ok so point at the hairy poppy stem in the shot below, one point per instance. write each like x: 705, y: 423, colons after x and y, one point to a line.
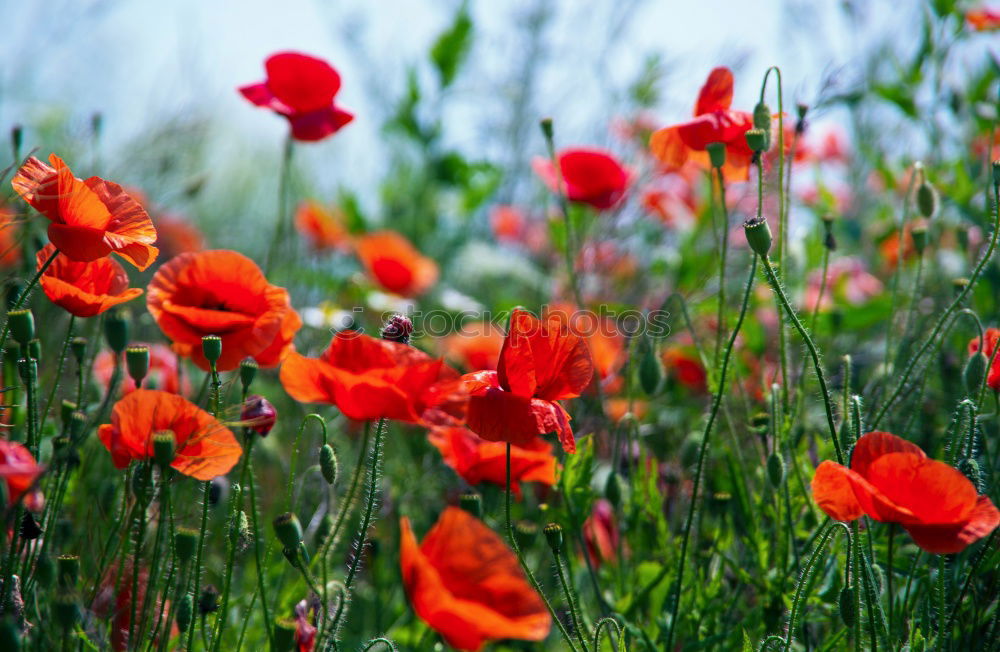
x: 233, y: 540
x: 571, y: 600
x: 946, y: 315
x: 721, y: 312
x: 348, y: 501
x: 524, y: 564
x: 702, y: 453
x: 206, y: 490
x: 374, y: 482
x: 807, y: 575
x: 772, y: 280
x: 888, y: 580
x: 22, y: 297
x: 59, y: 371
x: 248, y: 470
x: 280, y: 227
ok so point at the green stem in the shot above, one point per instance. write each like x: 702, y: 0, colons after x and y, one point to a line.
x: 281, y: 225
x: 807, y: 576
x: 721, y: 312
x: 233, y: 539
x: 348, y: 502
x: 59, y: 371
x: 206, y: 489
x: 706, y: 435
x: 574, y: 607
x: 888, y: 580
x: 374, y: 482
x: 256, y: 544
x: 21, y: 298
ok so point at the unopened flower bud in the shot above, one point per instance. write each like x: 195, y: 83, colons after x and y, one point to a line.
x: 22, y: 325
x: 614, y: 489
x: 847, y: 613
x: 547, y: 129
x: 927, y: 199
x: 472, y: 503
x: 208, y: 601
x: 137, y: 362
x: 116, y: 330
x: 248, y: 371
x: 716, y: 154
x: 758, y: 235
x: 16, y: 139
x: 650, y: 370
x: 185, y: 544
x: 211, y: 347
x: 762, y: 121
x: 975, y: 372
x: 775, y: 470
x: 259, y: 415
x: 164, y: 448
x: 328, y: 465
x: 397, y: 329
x: 554, y: 536
x: 289, y: 530
x: 757, y: 140
x: 185, y: 611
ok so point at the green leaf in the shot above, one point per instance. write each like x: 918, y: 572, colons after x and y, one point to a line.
x: 452, y: 46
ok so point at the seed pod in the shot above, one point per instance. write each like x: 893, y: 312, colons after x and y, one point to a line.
x: 328, y: 465
x: 185, y: 610
x: 554, y: 537
x: 137, y: 362
x: 716, y: 154
x: 472, y: 503
x: 919, y: 235
x: 775, y: 469
x: 248, y: 371
x: 211, y: 347
x: 164, y: 448
x: 22, y: 325
x: 525, y: 532
x: 757, y: 140
x: 289, y: 530
x: 758, y: 235
x: 78, y: 345
x: 975, y: 372
x: 116, y: 330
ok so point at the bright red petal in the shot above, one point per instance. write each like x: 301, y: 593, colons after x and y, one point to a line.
x: 833, y: 492
x: 717, y: 92
x: 302, y: 82
x: 950, y: 539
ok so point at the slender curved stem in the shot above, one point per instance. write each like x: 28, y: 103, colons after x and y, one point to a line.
x: 256, y: 543
x: 806, y: 577
x: 706, y: 436
x: 21, y: 298
x: 374, y: 481
x: 348, y: 502
x: 58, y: 375
x: 574, y: 606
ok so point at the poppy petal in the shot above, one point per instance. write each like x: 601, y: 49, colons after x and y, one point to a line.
x: 668, y: 147
x: 717, y: 92
x: 935, y: 492
x: 302, y: 82
x: 873, y: 445
x: 833, y: 492
x: 950, y: 539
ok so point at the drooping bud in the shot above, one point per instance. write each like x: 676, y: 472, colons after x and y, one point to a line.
x: 775, y: 470
x: 975, y: 372
x: 68, y: 571
x: 716, y: 154
x: 185, y: 611
x: 185, y: 544
x: 927, y: 199
x: 650, y: 369
x: 472, y: 503
x: 248, y: 371
x: 22, y: 325
x: 211, y: 347
x: 554, y: 537
x: 757, y: 140
x: 208, y: 601
x: 397, y: 328
x: 289, y: 530
x: 259, y: 415
x: 847, y: 614
x: 164, y: 448
x: 137, y: 362
x: 328, y: 464
x: 116, y: 330
x: 758, y: 235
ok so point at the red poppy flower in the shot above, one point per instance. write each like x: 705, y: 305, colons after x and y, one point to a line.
x: 84, y: 289
x: 600, y: 532
x: 392, y: 262
x: 323, y: 229
x: 476, y: 346
x: 91, y: 218
x: 686, y: 368
x: 465, y: 583
x: 10, y: 246
x: 892, y: 481
x: 163, y: 373
x: 606, y: 343
x: 369, y: 378
x: 176, y: 236
x: 990, y: 338
x: 222, y: 293
x: 714, y: 122
x: 541, y: 363
x: 507, y: 223
x: 205, y: 448
x: 302, y: 89
x: 589, y: 176
x: 983, y: 19
x: 20, y: 471
x: 478, y: 460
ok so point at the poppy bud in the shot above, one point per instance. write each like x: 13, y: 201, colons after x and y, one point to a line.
x: 760, y: 420
x: 829, y: 241
x: 78, y: 345
x: 211, y: 347
x: 30, y: 529
x: 472, y: 503
x: 716, y: 154
x: 846, y: 604
x: 22, y: 325
x: 137, y: 361
x: 284, y: 635
x: 757, y: 140
x: 259, y: 415
x: 65, y: 610
x: 959, y: 284
x: 397, y: 329
x: 45, y: 571
x: 16, y: 138
x: 762, y: 121
x: 919, y: 234
x: 525, y: 532
x: 775, y: 469
x: 185, y: 610
x: 328, y: 463
x: 547, y: 129
x: 614, y: 489
x: 650, y: 370
x: 248, y: 371
x: 800, y: 124
x: 66, y: 411
x: 689, y: 449
x: 35, y: 349
x: 185, y: 544
x: 996, y: 172
x: 68, y: 571
x: 970, y: 469
x: 10, y: 634
x: 217, y: 489
x: 758, y: 235
x: 77, y: 422
x: 975, y: 372
x: 116, y: 330
x: 927, y: 199
x: 289, y: 530
x: 208, y: 601
x: 164, y: 448
x: 554, y: 537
